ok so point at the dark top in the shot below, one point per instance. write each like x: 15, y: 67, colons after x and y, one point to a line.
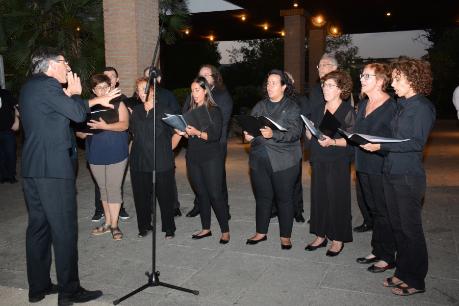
x: 223, y: 99
x: 200, y: 150
x: 346, y: 116
x: 284, y: 148
x: 7, y: 105
x: 143, y: 145
x: 107, y: 147
x: 414, y: 119
x: 376, y: 124
x: 45, y: 113
x: 316, y: 98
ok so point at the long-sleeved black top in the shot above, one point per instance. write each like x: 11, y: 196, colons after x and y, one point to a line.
x: 141, y: 126
x: 284, y: 148
x: 346, y: 116
x: 200, y: 150
x: 377, y: 123
x: 223, y: 99
x: 414, y: 119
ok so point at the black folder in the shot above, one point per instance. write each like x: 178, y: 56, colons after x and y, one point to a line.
x: 107, y: 114
x: 198, y: 118
x: 252, y: 124
x: 329, y: 125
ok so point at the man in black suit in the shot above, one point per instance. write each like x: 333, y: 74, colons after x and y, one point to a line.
x: 49, y: 180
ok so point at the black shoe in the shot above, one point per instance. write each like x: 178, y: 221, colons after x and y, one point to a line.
x: 363, y: 260
x: 142, y: 234
x: 80, y: 296
x: 98, y: 216
x: 252, y: 241
x: 286, y: 246
x: 193, y: 213
x: 376, y: 269
x: 40, y: 296
x: 196, y: 236
x: 124, y: 215
x: 310, y: 247
x: 223, y: 241
x: 363, y: 228
x: 299, y: 218
x: 169, y: 235
x: 177, y: 212
x: 333, y: 254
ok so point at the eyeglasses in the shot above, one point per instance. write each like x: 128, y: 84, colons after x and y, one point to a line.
x: 101, y: 87
x: 62, y: 61
x: 323, y: 65
x: 328, y: 85
x: 366, y: 76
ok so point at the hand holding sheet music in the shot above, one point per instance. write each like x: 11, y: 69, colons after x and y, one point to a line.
x: 253, y: 124
x: 175, y: 121
x: 310, y: 126
x: 362, y: 139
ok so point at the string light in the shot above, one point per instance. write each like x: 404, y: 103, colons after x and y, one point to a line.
x: 211, y: 38
x: 187, y: 31
x: 295, y: 4
x: 318, y: 20
x: 388, y: 14
x: 243, y: 17
x: 265, y: 27
x: 282, y: 33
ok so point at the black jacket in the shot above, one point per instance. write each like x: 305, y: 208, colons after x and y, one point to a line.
x: 46, y: 112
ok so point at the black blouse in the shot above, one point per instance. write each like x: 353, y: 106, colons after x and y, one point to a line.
x: 143, y: 145
x: 200, y: 150
x: 346, y: 116
x: 413, y: 119
x: 377, y: 123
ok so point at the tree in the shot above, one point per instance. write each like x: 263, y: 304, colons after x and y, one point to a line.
x: 443, y: 57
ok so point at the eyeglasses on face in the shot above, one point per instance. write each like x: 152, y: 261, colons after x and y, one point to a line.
x: 328, y: 85
x: 366, y: 76
x: 102, y: 87
x: 323, y: 65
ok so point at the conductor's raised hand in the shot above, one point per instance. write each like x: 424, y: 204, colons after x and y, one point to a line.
x: 266, y: 132
x: 73, y: 84
x: 105, y: 99
x: 248, y: 137
x: 98, y: 124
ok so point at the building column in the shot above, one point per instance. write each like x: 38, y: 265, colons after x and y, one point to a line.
x: 294, y: 45
x: 131, y: 31
x: 316, y: 48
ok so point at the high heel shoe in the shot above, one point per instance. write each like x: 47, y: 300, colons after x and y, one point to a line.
x: 310, y: 247
x: 197, y: 236
x: 286, y: 246
x: 252, y: 242
x: 223, y: 241
x: 333, y: 254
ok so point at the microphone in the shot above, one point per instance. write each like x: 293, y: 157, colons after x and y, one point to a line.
x: 152, y: 74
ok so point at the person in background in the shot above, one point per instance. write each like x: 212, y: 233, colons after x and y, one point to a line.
x: 223, y: 99
x: 404, y: 177
x: 9, y: 125
x: 375, y: 112
x: 331, y: 168
x: 107, y: 154
x: 204, y: 161
x: 112, y: 74
x: 275, y: 158
x: 48, y: 177
x: 151, y: 135
x: 456, y: 100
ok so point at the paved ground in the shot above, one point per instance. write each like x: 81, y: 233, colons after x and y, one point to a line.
x: 236, y: 274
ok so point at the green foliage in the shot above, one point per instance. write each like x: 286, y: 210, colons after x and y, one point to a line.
x: 173, y: 18
x: 245, y: 97
x: 444, y: 60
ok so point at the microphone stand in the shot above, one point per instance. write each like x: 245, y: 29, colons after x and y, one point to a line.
x: 153, y: 277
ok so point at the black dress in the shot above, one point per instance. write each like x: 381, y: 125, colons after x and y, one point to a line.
x: 330, y: 181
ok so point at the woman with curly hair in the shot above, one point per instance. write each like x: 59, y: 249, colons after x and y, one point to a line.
x: 330, y: 163
x: 404, y: 176
x: 275, y: 157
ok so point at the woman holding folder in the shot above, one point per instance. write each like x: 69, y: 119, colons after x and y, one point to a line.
x: 374, y: 114
x: 275, y: 158
x: 330, y: 162
x: 404, y: 177
x: 204, y: 159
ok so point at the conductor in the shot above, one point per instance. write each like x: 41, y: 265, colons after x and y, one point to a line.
x: 49, y: 181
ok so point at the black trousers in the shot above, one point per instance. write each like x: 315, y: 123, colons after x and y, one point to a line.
x: 331, y: 200
x: 363, y: 205
x: 51, y: 204
x: 298, y: 206
x: 224, y: 148
x: 142, y: 188
x: 206, y: 179
x: 404, y: 195
x: 382, y: 239
x: 7, y: 155
x: 274, y: 187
